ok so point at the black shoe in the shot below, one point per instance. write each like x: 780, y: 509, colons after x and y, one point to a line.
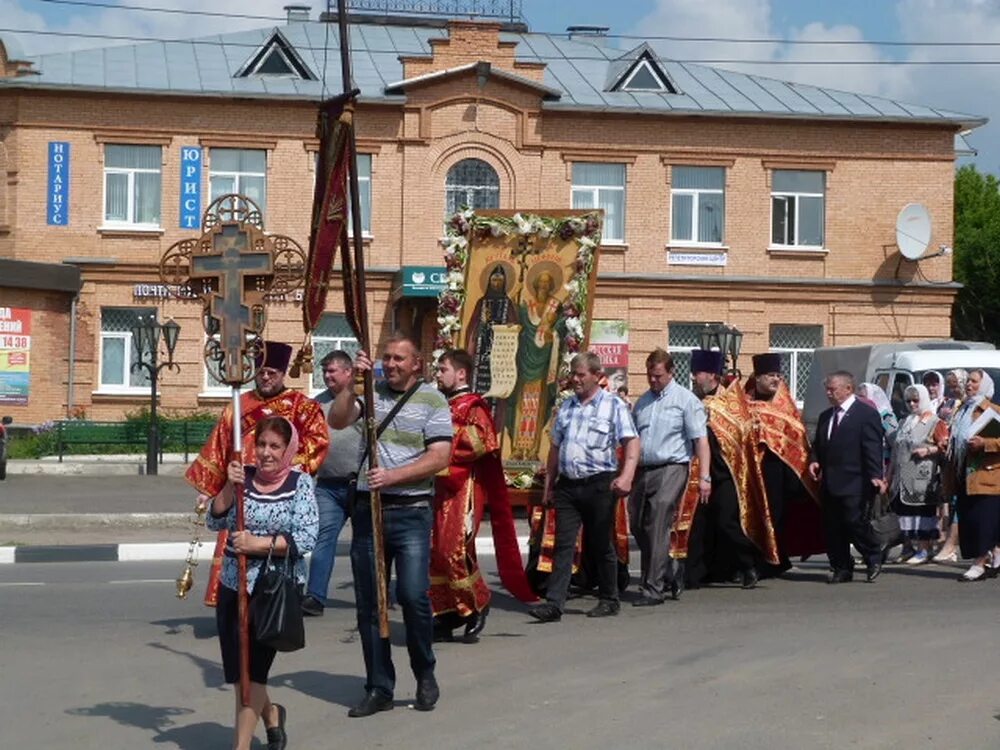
x: 428, y: 693
x: 840, y: 576
x: 545, y: 612
x: 647, y: 601
x: 276, y: 737
x: 475, y: 626
x: 442, y: 633
x: 750, y: 578
x: 873, y: 572
x: 676, y: 587
x: 312, y: 607
x: 372, y: 703
x: 605, y: 608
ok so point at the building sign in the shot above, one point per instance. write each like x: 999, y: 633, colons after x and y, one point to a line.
x: 57, y: 209
x: 15, y: 344
x: 680, y: 258
x: 419, y: 281
x: 190, y: 187
x: 609, y: 341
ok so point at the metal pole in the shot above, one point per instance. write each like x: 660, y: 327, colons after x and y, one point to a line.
x: 243, y: 598
x: 152, y: 438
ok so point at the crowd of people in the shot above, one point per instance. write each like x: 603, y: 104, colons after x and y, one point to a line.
x: 717, y: 483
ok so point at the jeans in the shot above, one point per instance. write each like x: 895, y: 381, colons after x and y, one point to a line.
x: 331, y: 499
x: 407, y: 539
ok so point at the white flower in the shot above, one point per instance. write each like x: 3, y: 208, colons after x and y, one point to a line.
x: 496, y: 230
x: 573, y: 287
x: 455, y: 277
x: 456, y: 243
x: 468, y: 213
x: 586, y: 242
x: 436, y: 354
x: 575, y: 327
x: 544, y: 232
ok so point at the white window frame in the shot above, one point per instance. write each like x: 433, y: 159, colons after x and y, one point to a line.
x: 212, y: 388
x: 792, y: 198
x: 595, y: 201
x: 626, y: 85
x: 128, y: 358
x: 237, y: 176
x: 696, y: 194
x: 793, y: 360
x: 130, y: 173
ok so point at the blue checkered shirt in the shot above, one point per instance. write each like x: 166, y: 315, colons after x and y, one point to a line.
x: 588, y: 434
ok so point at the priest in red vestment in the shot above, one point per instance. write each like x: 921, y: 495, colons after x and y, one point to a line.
x: 473, y: 480
x: 207, y: 474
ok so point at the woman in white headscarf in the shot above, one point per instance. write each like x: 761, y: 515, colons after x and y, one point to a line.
x: 914, y: 471
x: 876, y: 397
x: 975, y: 461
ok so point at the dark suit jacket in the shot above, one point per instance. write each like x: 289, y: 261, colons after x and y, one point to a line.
x: 853, y: 457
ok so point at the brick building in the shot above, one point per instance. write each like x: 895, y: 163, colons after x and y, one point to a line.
x: 729, y: 197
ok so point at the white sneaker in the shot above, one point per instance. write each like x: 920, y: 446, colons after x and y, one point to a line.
x: 919, y: 558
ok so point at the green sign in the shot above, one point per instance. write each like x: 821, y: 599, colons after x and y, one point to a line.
x: 419, y: 281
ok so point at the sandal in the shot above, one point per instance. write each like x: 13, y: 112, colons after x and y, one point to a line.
x: 276, y: 737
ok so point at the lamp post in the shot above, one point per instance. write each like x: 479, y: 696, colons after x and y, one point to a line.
x: 727, y: 339
x: 146, y: 339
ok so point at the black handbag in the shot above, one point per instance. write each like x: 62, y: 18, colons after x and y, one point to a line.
x: 276, y: 606
x: 884, y: 522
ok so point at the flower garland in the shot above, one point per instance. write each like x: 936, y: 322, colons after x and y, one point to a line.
x: 466, y: 225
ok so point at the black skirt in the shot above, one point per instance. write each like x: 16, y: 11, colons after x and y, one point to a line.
x: 227, y: 621
x: 978, y: 523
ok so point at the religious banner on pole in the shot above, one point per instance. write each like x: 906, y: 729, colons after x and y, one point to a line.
x: 518, y: 298
x: 15, y: 347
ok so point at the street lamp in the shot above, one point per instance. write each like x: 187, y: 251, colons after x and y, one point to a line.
x: 146, y: 339
x: 726, y: 339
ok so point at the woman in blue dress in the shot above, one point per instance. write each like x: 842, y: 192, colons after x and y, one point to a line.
x: 279, y: 511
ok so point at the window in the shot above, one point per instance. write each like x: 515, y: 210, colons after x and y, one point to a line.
x: 797, y: 208
x: 682, y: 338
x: 698, y: 211
x: 117, y: 351
x: 471, y: 183
x: 242, y: 171
x: 277, y: 59
x: 796, y: 344
x: 132, y: 185
x: 602, y: 186
x: 333, y: 332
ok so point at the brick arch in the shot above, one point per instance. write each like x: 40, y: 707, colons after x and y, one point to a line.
x: 496, y: 152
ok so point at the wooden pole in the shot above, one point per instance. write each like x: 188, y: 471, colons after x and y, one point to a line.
x: 243, y: 597
x: 381, y: 581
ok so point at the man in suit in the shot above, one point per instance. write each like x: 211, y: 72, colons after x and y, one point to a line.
x: 847, y: 461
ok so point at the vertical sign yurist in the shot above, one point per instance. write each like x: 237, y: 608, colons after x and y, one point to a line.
x: 57, y: 209
x: 190, y: 209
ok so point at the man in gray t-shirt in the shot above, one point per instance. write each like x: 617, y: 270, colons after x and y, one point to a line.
x: 332, y: 481
x: 414, y: 446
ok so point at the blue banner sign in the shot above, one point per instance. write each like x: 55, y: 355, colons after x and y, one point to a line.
x: 57, y: 210
x: 190, y: 187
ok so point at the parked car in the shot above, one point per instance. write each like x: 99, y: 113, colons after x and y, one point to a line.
x: 894, y: 366
x: 3, y: 445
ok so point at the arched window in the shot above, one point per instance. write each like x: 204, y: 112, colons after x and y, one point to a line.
x: 472, y: 183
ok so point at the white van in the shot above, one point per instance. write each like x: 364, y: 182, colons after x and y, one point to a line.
x: 894, y: 366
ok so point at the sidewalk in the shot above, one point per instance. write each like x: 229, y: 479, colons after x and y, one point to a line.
x: 96, y: 514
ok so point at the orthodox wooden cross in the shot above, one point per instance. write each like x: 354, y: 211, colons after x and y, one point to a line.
x: 525, y: 247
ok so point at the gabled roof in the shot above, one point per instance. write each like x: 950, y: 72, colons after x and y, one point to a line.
x: 578, y: 70
x: 276, y: 57
x: 481, y: 68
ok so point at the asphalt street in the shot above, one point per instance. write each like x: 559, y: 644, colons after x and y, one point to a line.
x: 102, y: 655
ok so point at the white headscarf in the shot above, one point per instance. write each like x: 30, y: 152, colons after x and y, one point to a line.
x: 924, y: 395
x: 877, y: 396
x: 961, y: 430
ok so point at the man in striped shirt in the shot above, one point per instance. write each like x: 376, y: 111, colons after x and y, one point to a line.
x: 413, y: 447
x: 584, y: 482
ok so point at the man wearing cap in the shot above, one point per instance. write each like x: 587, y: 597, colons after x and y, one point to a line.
x: 711, y: 536
x: 780, y: 448
x: 207, y: 474
x: 672, y: 428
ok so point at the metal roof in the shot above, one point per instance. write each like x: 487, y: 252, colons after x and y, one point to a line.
x: 582, y: 71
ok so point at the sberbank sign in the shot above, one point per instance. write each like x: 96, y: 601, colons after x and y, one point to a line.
x: 419, y: 281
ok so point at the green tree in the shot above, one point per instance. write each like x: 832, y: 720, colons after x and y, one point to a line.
x: 977, y: 256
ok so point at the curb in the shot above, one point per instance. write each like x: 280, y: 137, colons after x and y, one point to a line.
x: 90, y: 468
x: 156, y: 551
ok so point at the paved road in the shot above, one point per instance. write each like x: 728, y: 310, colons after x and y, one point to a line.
x: 41, y: 493
x: 103, y: 656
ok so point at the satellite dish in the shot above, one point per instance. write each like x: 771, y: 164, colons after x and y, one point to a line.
x: 913, y: 231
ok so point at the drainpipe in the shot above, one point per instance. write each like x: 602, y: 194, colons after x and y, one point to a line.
x: 72, y: 355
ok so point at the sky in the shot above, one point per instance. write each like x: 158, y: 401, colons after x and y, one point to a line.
x: 900, y: 70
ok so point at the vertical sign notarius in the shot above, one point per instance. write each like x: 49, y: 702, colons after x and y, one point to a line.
x: 57, y: 209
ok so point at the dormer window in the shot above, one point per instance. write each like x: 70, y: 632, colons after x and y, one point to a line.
x: 644, y: 74
x: 276, y: 59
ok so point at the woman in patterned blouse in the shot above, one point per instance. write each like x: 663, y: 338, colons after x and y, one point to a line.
x: 280, y: 510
